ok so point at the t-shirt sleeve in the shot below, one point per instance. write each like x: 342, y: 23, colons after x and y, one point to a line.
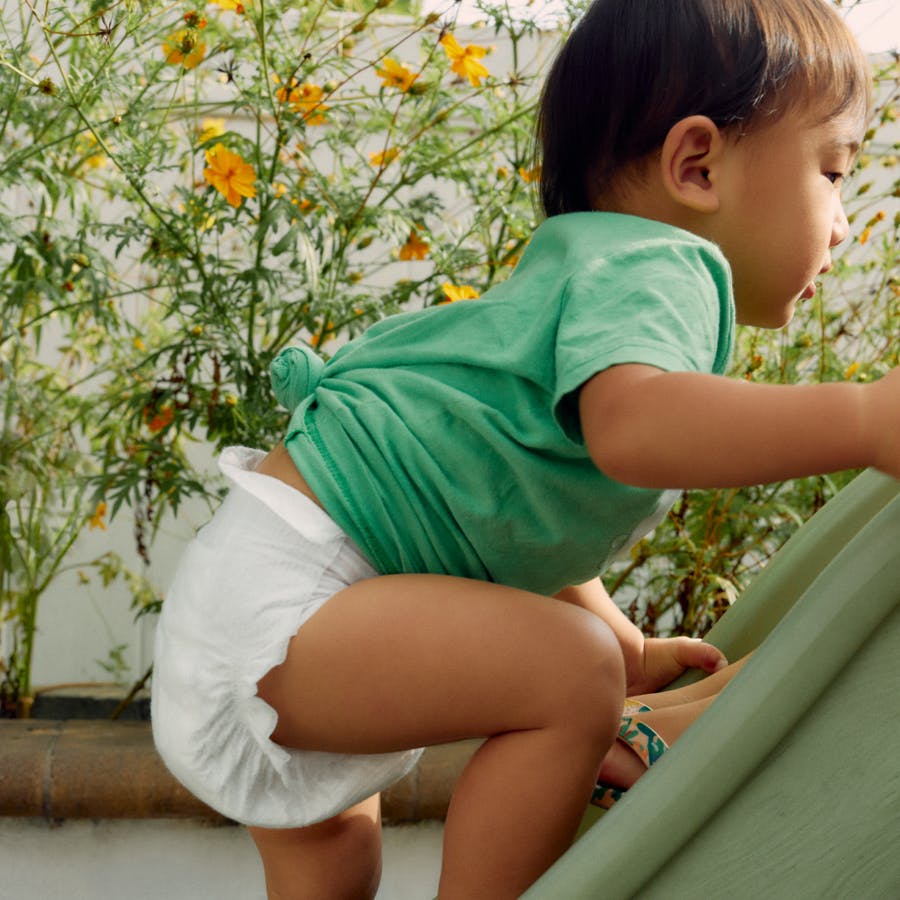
x: 660, y: 304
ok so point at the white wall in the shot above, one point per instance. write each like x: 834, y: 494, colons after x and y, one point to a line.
x: 147, y: 860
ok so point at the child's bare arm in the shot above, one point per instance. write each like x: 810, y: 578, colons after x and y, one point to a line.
x: 592, y: 596
x: 651, y: 428
x: 650, y: 663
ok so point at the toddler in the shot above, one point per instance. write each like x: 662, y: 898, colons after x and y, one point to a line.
x: 418, y: 561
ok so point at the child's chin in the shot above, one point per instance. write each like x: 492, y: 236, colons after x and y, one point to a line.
x: 780, y: 318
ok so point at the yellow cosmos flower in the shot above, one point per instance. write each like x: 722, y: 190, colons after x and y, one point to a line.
x: 88, y: 145
x: 851, y: 370
x: 454, y: 292
x: 393, y: 74
x: 283, y: 94
x: 867, y: 231
x: 184, y: 48
x: 464, y: 61
x: 529, y: 175
x: 385, y: 158
x: 229, y: 174
x: 231, y: 5
x: 96, y: 520
x: 305, y: 98
x: 414, y: 248
x: 211, y: 128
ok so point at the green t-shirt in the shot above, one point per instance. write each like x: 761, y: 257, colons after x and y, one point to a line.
x: 447, y: 440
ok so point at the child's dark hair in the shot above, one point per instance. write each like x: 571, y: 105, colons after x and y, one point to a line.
x: 631, y: 69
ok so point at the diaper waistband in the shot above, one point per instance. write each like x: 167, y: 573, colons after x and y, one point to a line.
x: 239, y: 464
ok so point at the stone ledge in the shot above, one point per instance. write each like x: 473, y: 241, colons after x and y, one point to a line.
x: 98, y: 769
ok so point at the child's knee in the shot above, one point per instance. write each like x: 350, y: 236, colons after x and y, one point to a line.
x: 595, y: 677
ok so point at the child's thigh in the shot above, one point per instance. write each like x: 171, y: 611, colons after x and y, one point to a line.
x: 402, y: 661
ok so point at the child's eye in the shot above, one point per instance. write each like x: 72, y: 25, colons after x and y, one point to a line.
x: 834, y: 177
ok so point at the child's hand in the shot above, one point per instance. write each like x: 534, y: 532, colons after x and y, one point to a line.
x: 664, y: 659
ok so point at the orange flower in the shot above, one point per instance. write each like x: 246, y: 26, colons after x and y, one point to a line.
x: 161, y: 419
x: 414, y: 248
x: 396, y: 75
x: 184, y: 48
x: 529, y: 175
x: 323, y: 336
x: 465, y: 61
x: 454, y: 292
x: 308, y: 100
x: 229, y: 174
x: 867, y: 231
x: 96, y: 520
x: 305, y: 98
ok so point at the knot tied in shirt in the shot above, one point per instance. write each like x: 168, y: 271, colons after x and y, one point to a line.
x: 294, y: 375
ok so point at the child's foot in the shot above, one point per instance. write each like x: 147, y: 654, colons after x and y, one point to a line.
x: 639, y: 747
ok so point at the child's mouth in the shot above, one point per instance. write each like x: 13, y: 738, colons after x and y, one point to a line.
x: 810, y: 291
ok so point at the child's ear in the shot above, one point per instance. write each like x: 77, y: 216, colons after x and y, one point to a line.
x: 690, y: 154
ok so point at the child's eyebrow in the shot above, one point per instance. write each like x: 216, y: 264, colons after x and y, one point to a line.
x: 851, y: 145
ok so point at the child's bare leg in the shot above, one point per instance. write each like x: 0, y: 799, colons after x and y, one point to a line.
x: 622, y: 767
x: 343, y: 852
x: 672, y: 712
x: 404, y: 661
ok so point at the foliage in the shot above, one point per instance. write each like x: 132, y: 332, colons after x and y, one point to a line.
x: 188, y: 187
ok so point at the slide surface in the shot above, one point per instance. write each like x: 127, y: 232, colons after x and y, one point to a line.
x: 789, y: 785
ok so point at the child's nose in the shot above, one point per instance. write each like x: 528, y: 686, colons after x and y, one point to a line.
x: 840, y: 228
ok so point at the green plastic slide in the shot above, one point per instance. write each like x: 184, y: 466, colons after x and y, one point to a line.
x: 789, y: 785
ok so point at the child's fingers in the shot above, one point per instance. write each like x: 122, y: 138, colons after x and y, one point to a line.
x: 693, y: 653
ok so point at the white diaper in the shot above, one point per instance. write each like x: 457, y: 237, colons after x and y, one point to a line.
x: 251, y: 577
